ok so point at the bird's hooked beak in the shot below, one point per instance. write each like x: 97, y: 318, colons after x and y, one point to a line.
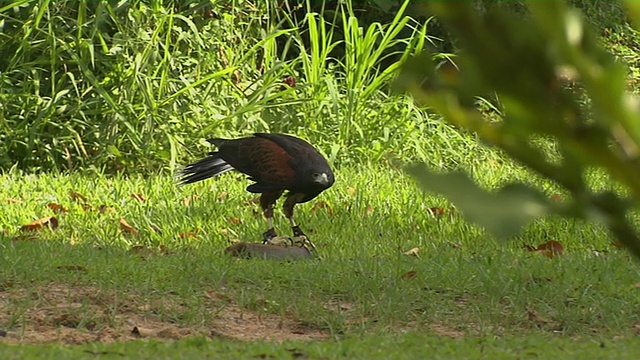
x: 321, y: 178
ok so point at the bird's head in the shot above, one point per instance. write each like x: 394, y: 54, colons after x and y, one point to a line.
x: 323, y: 179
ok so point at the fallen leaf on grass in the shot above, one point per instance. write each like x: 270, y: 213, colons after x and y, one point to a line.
x: 141, y: 332
x: 50, y: 221
x: 413, y: 251
x: 252, y: 201
x: 369, y: 210
x: 187, y: 201
x: 409, y: 275
x: 14, y: 201
x: 223, y: 195
x: 164, y: 250
x: 234, y: 220
x: 76, y: 196
x: 436, y: 211
x: 351, y: 191
x: 72, y: 268
x: 57, y: 207
x: 213, y: 295
x: 138, y: 197
x: 187, y: 234
x: 322, y: 205
x: 124, y: 226
x: 106, y: 209
x: 548, y: 249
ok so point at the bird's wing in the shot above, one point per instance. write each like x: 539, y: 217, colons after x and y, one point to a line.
x: 265, y: 161
x: 305, y: 158
x: 290, y: 144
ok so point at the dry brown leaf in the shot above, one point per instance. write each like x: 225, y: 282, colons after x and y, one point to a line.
x: 57, y: 207
x: 124, y: 226
x: 138, y: 197
x: 223, y: 195
x: 187, y: 234
x: 369, y: 210
x: 436, y: 211
x: 213, y: 295
x: 224, y: 232
x: 409, y: 275
x: 187, y: 201
x: 413, y: 251
x: 164, y: 250
x: 13, y: 201
x: 549, y: 249
x: 50, y: 221
x: 322, y: 205
x: 106, y: 209
x: 234, y: 220
x: 252, y: 201
x: 76, y: 196
x: 140, y: 332
x: 351, y: 191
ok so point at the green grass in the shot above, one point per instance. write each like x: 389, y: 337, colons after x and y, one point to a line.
x: 471, y: 296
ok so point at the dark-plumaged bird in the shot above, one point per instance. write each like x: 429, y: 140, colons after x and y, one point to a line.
x: 276, y: 163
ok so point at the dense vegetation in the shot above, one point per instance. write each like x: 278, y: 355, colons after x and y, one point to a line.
x: 139, y: 85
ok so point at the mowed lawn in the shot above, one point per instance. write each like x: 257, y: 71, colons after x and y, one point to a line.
x: 136, y: 268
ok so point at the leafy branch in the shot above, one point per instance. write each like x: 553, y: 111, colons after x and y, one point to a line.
x: 542, y: 68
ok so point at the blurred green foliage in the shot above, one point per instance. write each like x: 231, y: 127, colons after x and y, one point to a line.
x: 554, y: 81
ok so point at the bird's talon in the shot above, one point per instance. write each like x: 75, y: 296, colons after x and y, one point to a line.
x: 268, y: 235
x: 297, y: 231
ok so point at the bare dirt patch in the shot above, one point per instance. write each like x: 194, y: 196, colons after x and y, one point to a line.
x: 75, y: 314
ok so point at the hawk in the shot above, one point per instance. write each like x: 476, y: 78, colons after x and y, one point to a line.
x: 275, y: 163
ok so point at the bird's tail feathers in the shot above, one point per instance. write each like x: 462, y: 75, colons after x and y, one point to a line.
x: 203, y: 169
